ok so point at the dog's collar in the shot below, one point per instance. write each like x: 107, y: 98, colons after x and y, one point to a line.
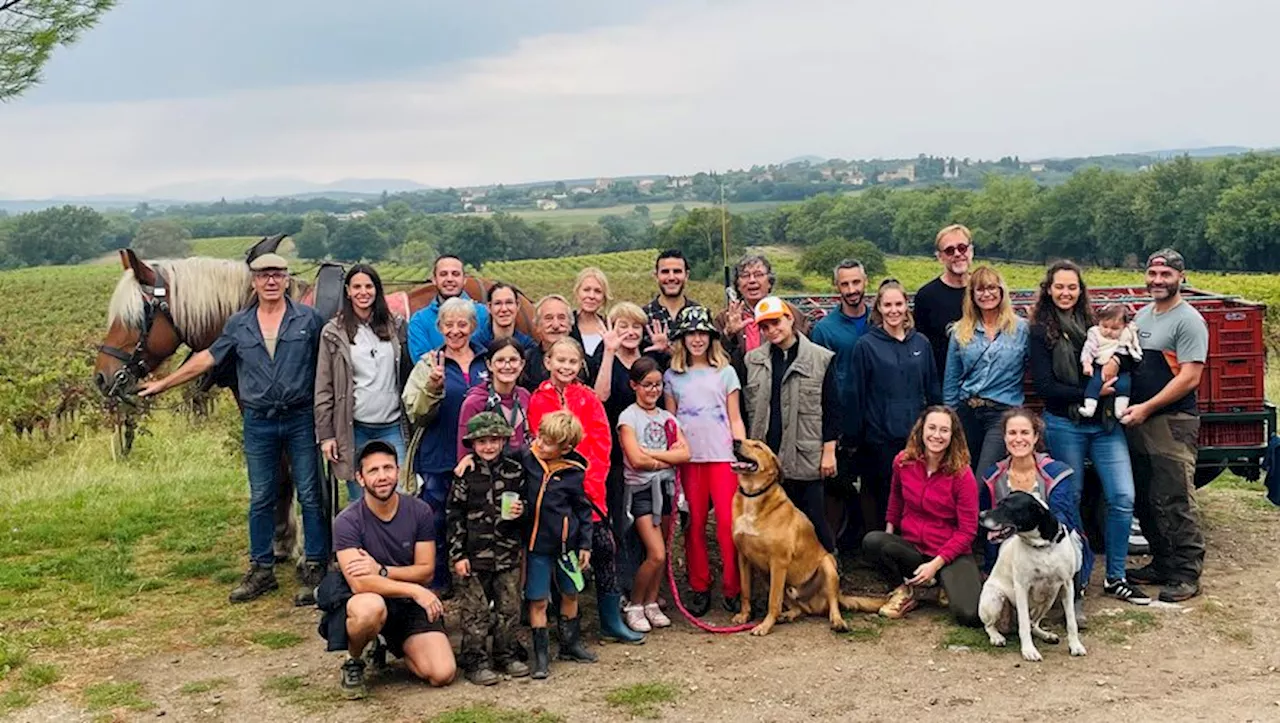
x: 758, y: 492
x: 1062, y: 534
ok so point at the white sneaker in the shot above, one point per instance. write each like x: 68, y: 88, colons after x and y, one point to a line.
x: 656, y: 616
x: 636, y: 618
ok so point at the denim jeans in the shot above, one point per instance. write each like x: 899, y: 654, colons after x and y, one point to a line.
x: 984, y: 436
x: 366, y: 433
x: 1071, y: 444
x: 265, y: 438
x: 1124, y: 384
x: 435, y: 492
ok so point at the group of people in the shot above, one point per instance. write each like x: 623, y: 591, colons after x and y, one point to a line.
x: 495, y: 467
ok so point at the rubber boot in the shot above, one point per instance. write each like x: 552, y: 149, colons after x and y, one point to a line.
x: 612, y: 628
x: 571, y: 647
x: 541, y: 653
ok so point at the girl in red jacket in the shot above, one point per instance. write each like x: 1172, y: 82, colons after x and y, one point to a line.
x: 564, y: 390
x: 931, y: 522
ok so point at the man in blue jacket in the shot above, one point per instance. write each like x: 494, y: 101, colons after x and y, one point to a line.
x: 449, y: 279
x: 839, y: 331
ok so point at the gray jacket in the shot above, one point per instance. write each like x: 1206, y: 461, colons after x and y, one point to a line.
x: 800, y: 453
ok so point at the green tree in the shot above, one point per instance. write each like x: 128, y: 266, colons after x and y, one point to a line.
x: 475, y: 241
x: 698, y: 234
x: 1244, y: 228
x: 357, y: 240
x: 30, y: 30
x: 823, y: 257
x: 162, y: 238
x: 63, y: 235
x: 312, y: 242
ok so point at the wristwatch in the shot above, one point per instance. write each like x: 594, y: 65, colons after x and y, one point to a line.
x: 382, y: 571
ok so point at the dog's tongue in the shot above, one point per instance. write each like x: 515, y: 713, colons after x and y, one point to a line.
x: 993, y: 535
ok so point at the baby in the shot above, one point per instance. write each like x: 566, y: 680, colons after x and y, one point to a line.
x: 1113, y: 334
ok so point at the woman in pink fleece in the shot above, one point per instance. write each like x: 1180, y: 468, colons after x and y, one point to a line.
x: 505, y: 358
x: 931, y: 523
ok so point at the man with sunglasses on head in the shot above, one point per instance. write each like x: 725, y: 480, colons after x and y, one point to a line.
x: 939, y: 303
x: 275, y: 343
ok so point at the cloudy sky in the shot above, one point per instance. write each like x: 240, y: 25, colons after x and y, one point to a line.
x: 165, y: 94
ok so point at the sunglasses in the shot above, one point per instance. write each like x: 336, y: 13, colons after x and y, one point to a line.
x: 957, y: 250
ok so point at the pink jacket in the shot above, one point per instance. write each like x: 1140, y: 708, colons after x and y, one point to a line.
x: 937, y: 514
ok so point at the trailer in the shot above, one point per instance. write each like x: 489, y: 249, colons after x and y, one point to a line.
x: 1236, y: 420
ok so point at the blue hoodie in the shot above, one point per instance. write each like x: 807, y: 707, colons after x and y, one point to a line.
x: 894, y: 382
x: 840, y: 334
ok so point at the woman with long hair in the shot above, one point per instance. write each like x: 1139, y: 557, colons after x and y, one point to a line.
x: 931, y: 523
x: 986, y: 362
x: 362, y: 366
x: 591, y: 293
x: 896, y: 380
x: 1029, y: 469
x: 1060, y: 324
x: 501, y: 393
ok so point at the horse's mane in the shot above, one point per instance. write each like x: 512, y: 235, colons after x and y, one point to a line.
x: 203, y: 294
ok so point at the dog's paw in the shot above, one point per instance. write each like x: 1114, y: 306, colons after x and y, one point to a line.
x: 996, y: 639
x: 1050, y: 638
x: 740, y: 618
x: 1077, y: 648
x: 1031, y: 654
x: 762, y: 628
x: 839, y: 625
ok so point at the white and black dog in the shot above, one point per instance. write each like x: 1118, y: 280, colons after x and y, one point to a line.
x: 1038, y: 563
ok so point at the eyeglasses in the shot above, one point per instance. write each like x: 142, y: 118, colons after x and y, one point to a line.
x: 506, y: 362
x: 987, y: 291
x: 755, y: 275
x: 651, y: 386
x: 271, y: 275
x: 957, y: 250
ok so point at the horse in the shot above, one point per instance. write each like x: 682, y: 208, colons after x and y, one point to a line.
x: 158, y: 307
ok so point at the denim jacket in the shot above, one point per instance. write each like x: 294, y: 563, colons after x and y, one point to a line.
x: 986, y: 369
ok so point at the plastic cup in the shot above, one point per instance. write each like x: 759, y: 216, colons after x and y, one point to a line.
x: 509, y: 500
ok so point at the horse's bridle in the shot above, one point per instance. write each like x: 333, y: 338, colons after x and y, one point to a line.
x: 155, y: 302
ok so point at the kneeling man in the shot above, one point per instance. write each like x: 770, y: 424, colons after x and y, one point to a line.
x: 385, y: 543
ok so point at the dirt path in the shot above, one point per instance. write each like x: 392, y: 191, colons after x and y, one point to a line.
x: 1215, y: 658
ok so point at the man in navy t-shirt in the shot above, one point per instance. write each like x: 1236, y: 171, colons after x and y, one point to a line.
x: 385, y: 543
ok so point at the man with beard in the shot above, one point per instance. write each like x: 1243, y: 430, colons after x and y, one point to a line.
x: 939, y: 303
x: 385, y: 544
x: 1162, y: 426
x: 672, y: 273
x: 839, y: 331
x: 449, y: 279
x: 552, y: 319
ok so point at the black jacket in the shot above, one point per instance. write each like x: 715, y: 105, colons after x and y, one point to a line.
x: 896, y: 380
x: 1062, y: 399
x: 559, y: 511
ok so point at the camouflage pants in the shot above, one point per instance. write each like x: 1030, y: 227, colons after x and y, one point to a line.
x: 474, y: 594
x: 1163, y: 450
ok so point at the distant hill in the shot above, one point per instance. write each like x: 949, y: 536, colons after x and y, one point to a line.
x: 811, y: 160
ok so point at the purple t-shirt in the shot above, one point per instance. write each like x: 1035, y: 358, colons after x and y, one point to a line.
x: 390, y: 543
x: 702, y: 409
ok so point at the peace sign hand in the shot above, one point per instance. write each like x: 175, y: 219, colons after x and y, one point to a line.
x: 734, y: 322
x: 658, y: 335
x: 436, y: 377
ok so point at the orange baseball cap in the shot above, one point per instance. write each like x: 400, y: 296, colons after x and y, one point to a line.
x: 771, y: 307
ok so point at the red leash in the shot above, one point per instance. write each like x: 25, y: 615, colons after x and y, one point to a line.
x: 675, y: 589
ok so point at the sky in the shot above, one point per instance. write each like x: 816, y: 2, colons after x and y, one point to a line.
x: 201, y: 95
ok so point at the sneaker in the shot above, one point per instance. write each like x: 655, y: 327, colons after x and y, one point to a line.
x: 258, y: 581
x: 309, y: 578
x: 731, y: 604
x: 636, y: 619
x: 1178, y: 591
x: 901, y: 602
x: 1122, y: 590
x: 699, y: 603
x: 484, y: 676
x: 516, y: 669
x: 352, y: 679
x: 656, y: 617
x: 1145, y: 575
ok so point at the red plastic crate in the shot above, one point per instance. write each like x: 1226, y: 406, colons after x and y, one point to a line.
x: 1237, y: 383
x: 1233, y: 434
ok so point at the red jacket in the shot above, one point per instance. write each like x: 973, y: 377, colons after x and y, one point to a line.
x: 597, y: 442
x: 937, y: 514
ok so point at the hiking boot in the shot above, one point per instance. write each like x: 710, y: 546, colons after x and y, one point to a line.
x: 571, y: 647
x: 1122, y: 590
x: 901, y: 602
x: 636, y: 618
x: 352, y: 679
x: 258, y: 581
x: 309, y: 578
x: 656, y: 617
x: 699, y: 603
x: 731, y: 604
x: 1145, y: 575
x: 484, y: 676
x: 1178, y: 591
x: 377, y: 653
x: 515, y: 669
x: 541, y: 653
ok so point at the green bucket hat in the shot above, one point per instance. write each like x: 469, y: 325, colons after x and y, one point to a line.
x: 693, y: 318
x: 486, y: 424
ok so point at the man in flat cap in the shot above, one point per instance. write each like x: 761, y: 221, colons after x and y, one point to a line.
x: 274, y: 343
x: 1163, y: 426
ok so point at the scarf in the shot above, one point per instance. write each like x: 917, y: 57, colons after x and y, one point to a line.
x: 1066, y: 350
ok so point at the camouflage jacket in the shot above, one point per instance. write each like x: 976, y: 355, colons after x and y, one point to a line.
x: 477, y: 532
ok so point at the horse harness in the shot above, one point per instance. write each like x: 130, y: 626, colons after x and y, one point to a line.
x: 155, y: 302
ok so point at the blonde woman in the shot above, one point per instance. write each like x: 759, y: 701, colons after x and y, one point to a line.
x: 986, y: 362
x: 591, y: 292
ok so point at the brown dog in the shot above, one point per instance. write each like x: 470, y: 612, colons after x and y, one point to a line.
x: 772, y: 534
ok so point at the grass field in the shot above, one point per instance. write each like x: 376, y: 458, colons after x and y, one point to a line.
x: 103, y: 561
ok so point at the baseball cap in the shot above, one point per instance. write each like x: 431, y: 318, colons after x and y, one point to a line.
x: 269, y: 262
x: 375, y: 446
x: 1167, y: 257
x: 771, y: 307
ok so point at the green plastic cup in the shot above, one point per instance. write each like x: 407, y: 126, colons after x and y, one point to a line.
x: 509, y: 500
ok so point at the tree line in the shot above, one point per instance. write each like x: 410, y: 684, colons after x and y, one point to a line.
x: 1220, y: 213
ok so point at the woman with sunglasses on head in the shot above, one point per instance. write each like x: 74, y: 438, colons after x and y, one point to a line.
x: 940, y: 303
x: 986, y: 362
